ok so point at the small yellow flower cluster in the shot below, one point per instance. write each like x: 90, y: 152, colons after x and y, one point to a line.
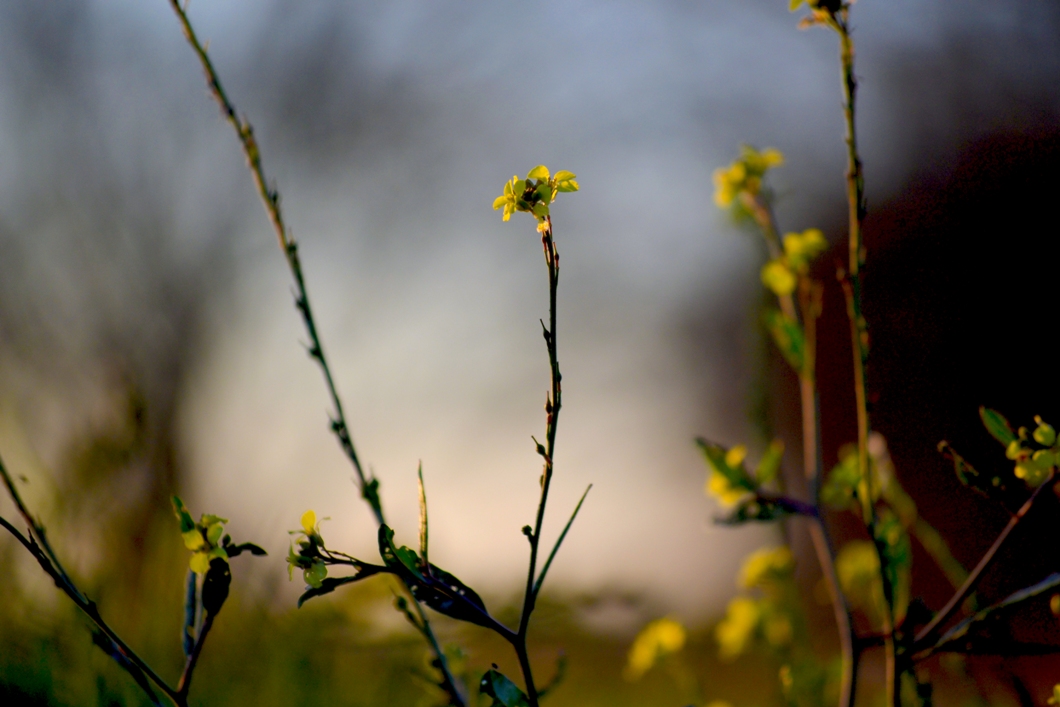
x: 308, y: 558
x: 657, y: 640
x: 781, y: 274
x: 770, y: 570
x: 721, y: 487
x: 858, y: 568
x: 1034, y: 466
x: 729, y: 481
x: 765, y: 566
x: 735, y: 632
x: 202, y: 538
x: 743, y: 178
x: 1055, y: 699
x: 535, y: 193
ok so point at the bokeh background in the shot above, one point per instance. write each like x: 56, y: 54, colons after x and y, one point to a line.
x: 148, y: 343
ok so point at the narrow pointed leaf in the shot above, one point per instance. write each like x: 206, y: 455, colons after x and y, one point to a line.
x: 788, y: 336
x: 504, y: 692
x: 559, y: 541
x: 998, y: 427
x: 770, y: 464
x: 715, y: 456
x: 423, y: 519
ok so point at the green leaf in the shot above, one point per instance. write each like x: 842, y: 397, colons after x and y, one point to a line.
x: 567, y: 186
x: 214, y: 533
x: 715, y: 455
x: 770, y: 464
x: 548, y: 563
x: 795, y: 5
x: 315, y: 574
x: 564, y: 176
x: 840, y: 488
x: 401, y: 559
x: 996, y: 424
x: 538, y: 172
x: 788, y: 336
x: 435, y: 587
x: 504, y: 692
x: 186, y: 522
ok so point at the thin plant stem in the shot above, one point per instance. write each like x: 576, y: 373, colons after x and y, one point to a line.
x: 810, y: 305
x: 553, y: 404
x: 808, y: 312
x: 368, y: 486
x: 927, y: 634
x: 852, y: 288
x: 35, y: 543
x: 184, y: 685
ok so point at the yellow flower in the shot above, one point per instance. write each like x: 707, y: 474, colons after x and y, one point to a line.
x: 744, y: 176
x: 858, y: 568
x: 801, y: 248
x: 658, y: 639
x: 309, y: 522
x: 1055, y: 699
x: 766, y: 564
x: 736, y: 630
x: 779, y: 278
x: 722, y: 489
x: 535, y: 193
x: 779, y: 631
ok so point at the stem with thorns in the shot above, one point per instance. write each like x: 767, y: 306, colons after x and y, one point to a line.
x: 369, y: 487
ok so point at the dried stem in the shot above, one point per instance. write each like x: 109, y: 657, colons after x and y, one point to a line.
x: 369, y: 487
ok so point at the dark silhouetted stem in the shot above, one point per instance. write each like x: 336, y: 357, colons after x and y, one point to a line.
x: 928, y: 633
x: 552, y: 407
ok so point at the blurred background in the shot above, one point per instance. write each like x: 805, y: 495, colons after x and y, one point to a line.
x: 148, y: 343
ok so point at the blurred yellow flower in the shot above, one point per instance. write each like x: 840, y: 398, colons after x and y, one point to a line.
x: 764, y: 565
x: 658, y: 639
x: 736, y: 630
x: 858, y: 568
x: 778, y: 278
x: 722, y: 489
x: 744, y: 176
